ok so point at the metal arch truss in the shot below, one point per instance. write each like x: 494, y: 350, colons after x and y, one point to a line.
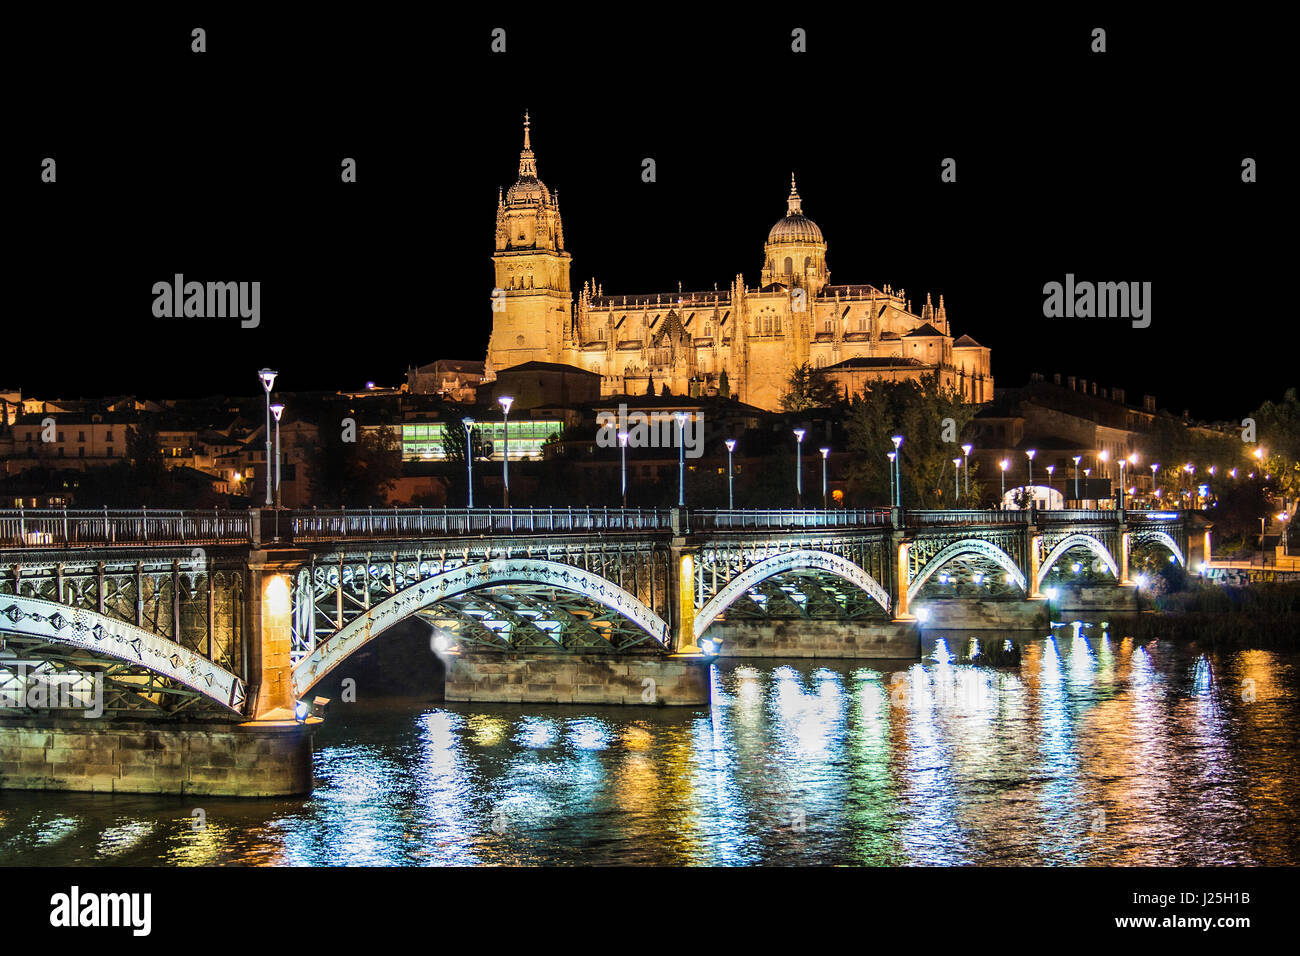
x: 1067, y: 542
x: 47, y: 636
x: 927, y: 555
x: 1151, y: 536
x: 337, y: 589
x: 536, y: 617
x: 533, y: 578
x: 746, y: 584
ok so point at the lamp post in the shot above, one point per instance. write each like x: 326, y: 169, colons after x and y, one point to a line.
x: 267, y: 377
x: 1282, y: 517
x: 1190, y: 469
x: 798, y: 467
x: 1077, y: 459
x: 1051, y: 470
x: 1003, y: 464
x: 277, y: 410
x: 1122, y: 463
x: 825, y: 452
x: 898, y: 470
x: 1030, y: 453
x: 469, y: 456
x: 681, y: 458
x: 505, y: 401
x: 891, y: 456
x: 1155, y: 466
x: 731, y: 497
x: 622, y: 461
x: 965, y: 464
x: 956, y: 480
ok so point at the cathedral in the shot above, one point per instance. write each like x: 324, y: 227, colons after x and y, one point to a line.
x: 743, y: 341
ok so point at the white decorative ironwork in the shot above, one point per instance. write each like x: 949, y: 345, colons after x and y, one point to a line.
x: 1076, y: 541
x: 95, y: 632
x: 966, y: 546
x: 1148, y: 536
x: 801, y: 560
x: 332, y: 651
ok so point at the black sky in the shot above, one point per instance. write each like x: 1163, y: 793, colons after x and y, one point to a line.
x: 1116, y: 167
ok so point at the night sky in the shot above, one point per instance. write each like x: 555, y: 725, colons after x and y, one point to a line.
x: 1123, y: 166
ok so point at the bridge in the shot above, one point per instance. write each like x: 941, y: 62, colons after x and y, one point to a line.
x: 240, y: 615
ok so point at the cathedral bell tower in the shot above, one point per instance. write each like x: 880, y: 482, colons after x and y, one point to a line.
x: 531, y: 300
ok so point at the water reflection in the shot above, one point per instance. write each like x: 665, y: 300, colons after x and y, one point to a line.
x: 1094, y: 750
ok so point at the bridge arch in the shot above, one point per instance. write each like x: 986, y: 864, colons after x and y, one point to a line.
x: 1076, y: 541
x: 799, y: 560
x: 1164, y: 538
x: 337, y: 647
x: 108, y: 637
x: 978, y: 546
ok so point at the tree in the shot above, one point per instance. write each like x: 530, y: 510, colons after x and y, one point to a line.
x: 808, y: 387
x: 931, y: 420
x: 724, y: 386
x: 358, y: 473
x: 1278, y: 428
x: 664, y: 391
x: 649, y: 384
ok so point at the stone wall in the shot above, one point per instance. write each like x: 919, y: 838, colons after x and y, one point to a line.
x: 1101, y: 598
x: 578, y: 679
x: 239, y: 760
x: 975, y: 614
x: 811, y: 638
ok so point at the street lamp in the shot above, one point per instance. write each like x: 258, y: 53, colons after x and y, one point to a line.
x: 1030, y: 453
x: 798, y: 467
x: 277, y: 410
x: 681, y: 458
x: 1077, y: 459
x: 1155, y: 466
x: 469, y: 456
x: 1051, y: 470
x: 622, y: 461
x: 1282, y: 517
x: 956, y: 480
x: 825, y: 452
x: 267, y: 377
x: 898, y: 470
x: 1122, y: 463
x: 891, y: 456
x: 731, y: 497
x: 505, y: 401
x: 1004, y: 464
x: 965, y: 463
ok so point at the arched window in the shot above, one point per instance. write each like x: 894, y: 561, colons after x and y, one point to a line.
x: 789, y: 265
x: 807, y: 263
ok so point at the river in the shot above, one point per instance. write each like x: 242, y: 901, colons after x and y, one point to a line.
x: 1094, y: 751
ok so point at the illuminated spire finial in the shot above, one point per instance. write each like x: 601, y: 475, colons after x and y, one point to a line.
x: 793, y: 208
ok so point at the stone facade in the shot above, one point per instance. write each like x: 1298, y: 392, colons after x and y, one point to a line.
x: 899, y: 640
x: 687, y: 340
x: 580, y: 679
x: 228, y: 760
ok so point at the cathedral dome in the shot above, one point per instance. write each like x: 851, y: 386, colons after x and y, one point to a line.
x: 795, y: 227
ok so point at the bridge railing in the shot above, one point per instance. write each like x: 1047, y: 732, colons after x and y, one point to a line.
x: 343, y: 524
x: 964, y: 516
x: 73, y: 528
x: 1065, y: 515
x: 779, y: 519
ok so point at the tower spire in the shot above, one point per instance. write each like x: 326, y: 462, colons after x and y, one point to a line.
x: 527, y: 162
x: 793, y: 208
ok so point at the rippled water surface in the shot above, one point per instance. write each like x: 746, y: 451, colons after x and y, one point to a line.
x: 1092, y: 751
